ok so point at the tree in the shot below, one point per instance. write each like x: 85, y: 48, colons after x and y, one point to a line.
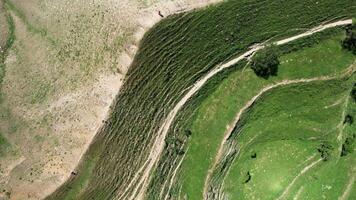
x: 254, y: 155
x: 348, y: 119
x: 347, y: 147
x: 247, y: 177
x: 324, y: 149
x: 265, y: 63
x: 353, y: 92
x: 349, y: 42
x: 187, y: 133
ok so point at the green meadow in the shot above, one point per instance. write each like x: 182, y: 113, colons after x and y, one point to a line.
x: 218, y: 110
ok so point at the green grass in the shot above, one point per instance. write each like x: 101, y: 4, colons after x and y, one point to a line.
x: 326, y: 181
x: 284, y: 128
x: 277, y: 162
x: 41, y: 91
x: 221, y: 106
x: 173, y: 55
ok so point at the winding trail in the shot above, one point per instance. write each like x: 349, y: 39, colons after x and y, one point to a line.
x: 242, y: 111
x: 296, y: 197
x: 304, y: 170
x: 229, y: 131
x: 140, y: 183
x: 348, y: 189
x: 173, y: 176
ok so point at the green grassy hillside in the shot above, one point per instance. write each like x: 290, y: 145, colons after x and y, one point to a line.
x: 173, y: 55
x: 314, y: 56
x: 317, y: 56
x: 284, y: 131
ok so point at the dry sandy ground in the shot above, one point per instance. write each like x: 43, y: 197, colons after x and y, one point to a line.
x: 65, y: 68
x: 3, y: 27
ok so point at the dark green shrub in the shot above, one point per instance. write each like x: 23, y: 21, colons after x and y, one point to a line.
x: 347, y: 147
x: 187, y: 133
x: 353, y: 92
x: 265, y: 63
x: 247, y: 177
x: 325, y: 151
x: 349, y: 42
x: 348, y: 119
x: 254, y: 155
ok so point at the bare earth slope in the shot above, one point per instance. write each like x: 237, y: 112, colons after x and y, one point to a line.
x: 66, y: 66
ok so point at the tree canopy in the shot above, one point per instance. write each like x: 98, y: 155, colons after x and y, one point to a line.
x: 265, y: 63
x: 347, y: 147
x: 349, y: 42
x: 353, y: 92
x: 325, y: 150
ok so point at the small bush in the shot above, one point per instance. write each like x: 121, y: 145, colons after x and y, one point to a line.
x: 347, y: 147
x: 349, y: 42
x: 325, y: 151
x: 353, y: 92
x: 247, y: 177
x: 265, y: 63
x: 187, y: 133
x: 254, y: 155
x: 348, y: 119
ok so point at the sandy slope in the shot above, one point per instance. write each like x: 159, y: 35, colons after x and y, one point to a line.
x: 58, y: 129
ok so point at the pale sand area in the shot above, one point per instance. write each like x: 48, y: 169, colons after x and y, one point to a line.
x: 52, y: 129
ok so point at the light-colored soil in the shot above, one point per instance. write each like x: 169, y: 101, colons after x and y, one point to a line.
x: 60, y: 83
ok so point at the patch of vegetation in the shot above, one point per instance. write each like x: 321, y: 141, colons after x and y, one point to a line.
x: 325, y: 150
x: 4, y: 145
x: 353, y: 92
x: 254, y: 155
x: 39, y: 138
x: 31, y: 28
x: 4, y: 51
x: 285, y: 149
x: 348, y: 145
x: 188, y: 44
x: 207, y: 117
x: 247, y: 177
x: 41, y: 91
x: 348, y: 119
x: 76, y: 184
x: 265, y: 63
x: 349, y: 42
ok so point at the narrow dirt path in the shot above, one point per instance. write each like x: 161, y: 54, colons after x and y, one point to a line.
x: 173, y: 176
x: 242, y: 110
x: 348, y: 189
x: 341, y: 125
x: 228, y: 132
x: 296, y: 197
x: 141, y: 182
x: 304, y: 170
